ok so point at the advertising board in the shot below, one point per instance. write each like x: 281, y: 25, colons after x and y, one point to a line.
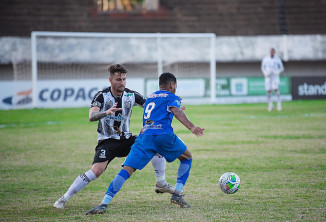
x: 308, y: 87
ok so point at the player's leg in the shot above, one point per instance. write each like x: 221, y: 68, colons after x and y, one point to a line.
x: 268, y: 87
x: 80, y: 183
x: 117, y: 183
x: 171, y: 147
x: 102, y: 158
x: 276, y: 82
x: 270, y: 100
x: 182, y: 177
x: 113, y: 189
x: 278, y: 99
x: 121, y: 149
x: 159, y: 164
x: 183, y: 171
x: 138, y: 158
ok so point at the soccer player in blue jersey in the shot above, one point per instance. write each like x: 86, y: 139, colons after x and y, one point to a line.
x: 112, y: 108
x: 157, y: 136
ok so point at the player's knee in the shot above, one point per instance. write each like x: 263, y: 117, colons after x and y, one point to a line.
x: 98, y: 169
x: 186, y: 155
x: 97, y: 172
x: 129, y: 169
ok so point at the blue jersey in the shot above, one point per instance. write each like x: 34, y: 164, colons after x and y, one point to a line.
x: 157, y: 117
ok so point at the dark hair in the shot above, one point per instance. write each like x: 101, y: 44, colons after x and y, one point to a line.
x: 117, y: 68
x: 166, y: 78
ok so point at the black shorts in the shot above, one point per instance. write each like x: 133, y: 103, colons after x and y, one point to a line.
x: 111, y: 148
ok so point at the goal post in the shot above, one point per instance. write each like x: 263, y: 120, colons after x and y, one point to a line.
x: 80, y: 58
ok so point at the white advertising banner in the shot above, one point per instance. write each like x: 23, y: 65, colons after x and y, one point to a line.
x: 186, y: 87
x: 79, y: 93
x: 15, y: 95
x: 59, y: 93
x: 56, y: 93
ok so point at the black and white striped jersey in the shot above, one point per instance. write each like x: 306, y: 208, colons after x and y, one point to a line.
x: 116, y: 125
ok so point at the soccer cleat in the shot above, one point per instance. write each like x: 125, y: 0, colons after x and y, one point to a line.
x: 100, y: 209
x: 270, y: 107
x: 60, y: 203
x: 179, y: 200
x: 168, y: 188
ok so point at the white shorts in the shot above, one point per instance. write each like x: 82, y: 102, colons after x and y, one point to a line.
x: 272, y: 82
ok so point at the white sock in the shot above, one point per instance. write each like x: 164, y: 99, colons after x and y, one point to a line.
x: 269, y: 98
x: 158, y: 162
x: 278, y: 97
x: 80, y: 182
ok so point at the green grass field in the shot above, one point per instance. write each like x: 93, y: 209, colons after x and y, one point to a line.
x: 279, y: 156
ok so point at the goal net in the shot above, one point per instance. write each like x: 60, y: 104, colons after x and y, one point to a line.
x: 69, y: 68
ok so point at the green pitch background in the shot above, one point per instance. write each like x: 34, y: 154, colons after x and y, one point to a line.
x: 280, y: 158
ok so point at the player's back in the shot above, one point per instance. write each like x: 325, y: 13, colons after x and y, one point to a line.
x: 157, y: 117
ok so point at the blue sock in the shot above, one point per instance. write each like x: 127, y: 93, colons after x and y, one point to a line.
x: 183, y: 174
x: 115, y: 186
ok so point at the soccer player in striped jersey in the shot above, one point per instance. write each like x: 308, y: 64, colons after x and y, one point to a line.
x: 157, y: 136
x: 112, y: 108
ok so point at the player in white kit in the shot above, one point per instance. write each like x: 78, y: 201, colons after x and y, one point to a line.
x: 272, y: 67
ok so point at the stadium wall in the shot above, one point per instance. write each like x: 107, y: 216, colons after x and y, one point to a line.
x: 224, y: 18
x: 237, y: 58
x: 303, y: 55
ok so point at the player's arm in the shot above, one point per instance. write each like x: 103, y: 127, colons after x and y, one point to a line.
x: 281, y: 67
x: 182, y: 117
x: 264, y: 68
x: 182, y: 107
x: 95, y: 113
x: 139, y: 99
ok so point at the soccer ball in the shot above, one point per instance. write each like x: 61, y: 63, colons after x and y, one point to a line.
x: 229, y: 183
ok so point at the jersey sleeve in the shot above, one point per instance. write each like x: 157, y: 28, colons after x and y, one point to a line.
x: 174, y: 101
x: 98, y: 100
x: 139, y: 99
x: 264, y: 67
x: 280, y: 66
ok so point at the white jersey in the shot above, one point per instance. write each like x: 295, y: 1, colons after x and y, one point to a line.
x: 272, y: 66
x: 116, y: 125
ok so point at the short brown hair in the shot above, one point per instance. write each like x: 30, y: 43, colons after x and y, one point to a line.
x: 117, y: 68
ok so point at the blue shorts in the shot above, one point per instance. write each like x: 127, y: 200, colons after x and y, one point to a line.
x: 146, y: 146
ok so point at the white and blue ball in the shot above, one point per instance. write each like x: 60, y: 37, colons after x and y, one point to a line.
x: 229, y: 183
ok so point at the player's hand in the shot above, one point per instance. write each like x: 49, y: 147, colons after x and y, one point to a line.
x: 113, y: 109
x: 197, y: 131
x: 183, y: 108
